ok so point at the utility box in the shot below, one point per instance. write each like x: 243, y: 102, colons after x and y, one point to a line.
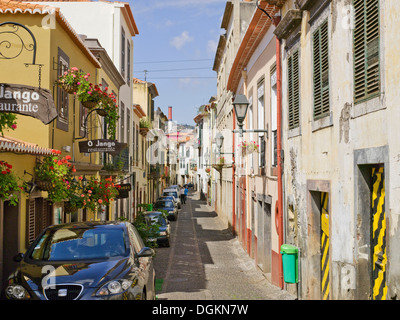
x: 290, y: 263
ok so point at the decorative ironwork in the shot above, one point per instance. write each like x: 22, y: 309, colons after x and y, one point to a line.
x: 10, y: 52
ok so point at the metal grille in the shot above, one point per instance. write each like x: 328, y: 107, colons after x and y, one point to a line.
x: 63, y: 292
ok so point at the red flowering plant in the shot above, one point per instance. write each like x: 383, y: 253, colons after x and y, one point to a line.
x: 108, y: 104
x: 52, y: 174
x: 9, y: 184
x: 98, y: 193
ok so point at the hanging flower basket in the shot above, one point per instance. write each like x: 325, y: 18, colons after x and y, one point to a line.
x: 44, y: 185
x: 101, y: 112
x: 71, y: 79
x: 90, y: 104
x: 9, y: 184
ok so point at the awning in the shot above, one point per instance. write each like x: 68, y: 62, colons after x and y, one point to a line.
x: 8, y: 144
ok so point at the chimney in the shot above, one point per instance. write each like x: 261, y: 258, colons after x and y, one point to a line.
x: 169, y: 113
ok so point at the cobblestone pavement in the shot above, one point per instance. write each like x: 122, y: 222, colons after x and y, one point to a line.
x: 205, y: 262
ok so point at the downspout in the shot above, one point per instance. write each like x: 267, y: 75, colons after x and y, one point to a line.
x: 279, y: 147
x: 233, y: 177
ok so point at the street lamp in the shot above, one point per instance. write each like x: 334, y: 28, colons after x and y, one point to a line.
x: 240, y: 105
x: 219, y: 140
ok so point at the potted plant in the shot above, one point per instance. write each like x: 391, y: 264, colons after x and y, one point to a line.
x: 52, y: 174
x: 252, y: 146
x: 109, y: 110
x: 88, y: 94
x: 208, y: 170
x: 98, y: 193
x: 71, y: 79
x: 220, y: 163
x: 243, y: 148
x: 9, y: 184
x: 144, y: 125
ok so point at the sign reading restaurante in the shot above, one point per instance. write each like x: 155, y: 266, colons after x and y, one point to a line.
x: 29, y: 101
x: 101, y: 145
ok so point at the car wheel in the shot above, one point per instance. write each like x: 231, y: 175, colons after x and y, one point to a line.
x: 167, y: 244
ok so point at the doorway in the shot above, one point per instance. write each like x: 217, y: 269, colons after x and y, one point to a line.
x: 10, y: 243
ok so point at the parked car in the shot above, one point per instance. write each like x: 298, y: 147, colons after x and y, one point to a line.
x: 164, y: 230
x: 169, y: 198
x: 169, y: 206
x: 174, y: 193
x: 89, y: 261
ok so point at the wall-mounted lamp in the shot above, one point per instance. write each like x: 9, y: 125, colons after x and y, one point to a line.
x: 31, y: 185
x: 240, y: 105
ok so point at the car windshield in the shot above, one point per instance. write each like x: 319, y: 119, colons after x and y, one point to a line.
x: 157, y: 220
x: 66, y: 244
x: 164, y: 204
x: 171, y: 193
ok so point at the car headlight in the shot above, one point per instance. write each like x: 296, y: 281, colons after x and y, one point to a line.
x: 114, y: 287
x: 16, y: 291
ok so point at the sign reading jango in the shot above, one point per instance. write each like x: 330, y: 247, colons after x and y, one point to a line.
x: 28, y: 101
x: 102, y: 145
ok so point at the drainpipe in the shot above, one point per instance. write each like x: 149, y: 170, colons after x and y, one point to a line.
x: 279, y: 216
x: 233, y: 177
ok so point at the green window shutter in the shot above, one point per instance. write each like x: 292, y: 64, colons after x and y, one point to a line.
x: 294, y: 90
x: 321, y: 71
x: 366, y: 50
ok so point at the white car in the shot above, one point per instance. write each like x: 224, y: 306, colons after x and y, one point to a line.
x: 175, y: 194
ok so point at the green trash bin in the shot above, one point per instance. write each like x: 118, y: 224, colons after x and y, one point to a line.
x: 290, y: 263
x: 149, y: 207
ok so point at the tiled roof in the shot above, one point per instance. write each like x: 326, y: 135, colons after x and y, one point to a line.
x: 15, y: 7
x: 18, y: 146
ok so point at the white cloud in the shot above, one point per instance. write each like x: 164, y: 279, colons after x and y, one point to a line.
x: 212, y: 46
x: 181, y: 40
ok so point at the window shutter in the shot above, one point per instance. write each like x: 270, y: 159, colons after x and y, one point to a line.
x: 321, y: 71
x: 294, y: 90
x: 366, y: 50
x: 30, y: 221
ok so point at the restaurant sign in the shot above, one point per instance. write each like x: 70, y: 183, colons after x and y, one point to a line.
x: 29, y: 101
x: 102, y: 145
x: 123, y: 190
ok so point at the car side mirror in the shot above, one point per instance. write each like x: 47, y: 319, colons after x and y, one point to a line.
x: 145, y: 253
x: 19, y: 257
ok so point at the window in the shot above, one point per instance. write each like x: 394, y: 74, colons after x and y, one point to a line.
x: 261, y: 115
x: 62, y: 96
x: 366, y: 50
x: 123, y: 52
x: 128, y: 67
x: 294, y: 90
x: 321, y: 71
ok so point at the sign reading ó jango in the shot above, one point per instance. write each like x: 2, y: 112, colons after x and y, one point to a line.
x: 27, y: 100
x: 102, y: 145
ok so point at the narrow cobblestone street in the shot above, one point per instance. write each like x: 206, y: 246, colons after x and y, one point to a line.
x: 205, y: 262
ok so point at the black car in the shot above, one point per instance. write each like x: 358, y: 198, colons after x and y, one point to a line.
x: 85, y: 261
x: 157, y: 218
x: 169, y: 206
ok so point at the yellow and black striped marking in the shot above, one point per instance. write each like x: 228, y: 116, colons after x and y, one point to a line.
x: 325, y: 245
x: 378, y: 245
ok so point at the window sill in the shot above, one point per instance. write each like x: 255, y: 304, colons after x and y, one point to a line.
x: 361, y: 108
x: 322, y: 123
x: 294, y: 132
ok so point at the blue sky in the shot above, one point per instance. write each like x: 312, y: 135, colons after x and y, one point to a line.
x: 178, y: 30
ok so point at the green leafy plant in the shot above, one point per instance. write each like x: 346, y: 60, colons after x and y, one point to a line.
x: 71, y: 79
x: 146, y: 231
x: 144, y: 123
x: 7, y: 121
x: 52, y: 174
x: 9, y: 184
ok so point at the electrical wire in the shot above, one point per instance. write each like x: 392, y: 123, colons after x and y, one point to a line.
x: 175, y: 61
